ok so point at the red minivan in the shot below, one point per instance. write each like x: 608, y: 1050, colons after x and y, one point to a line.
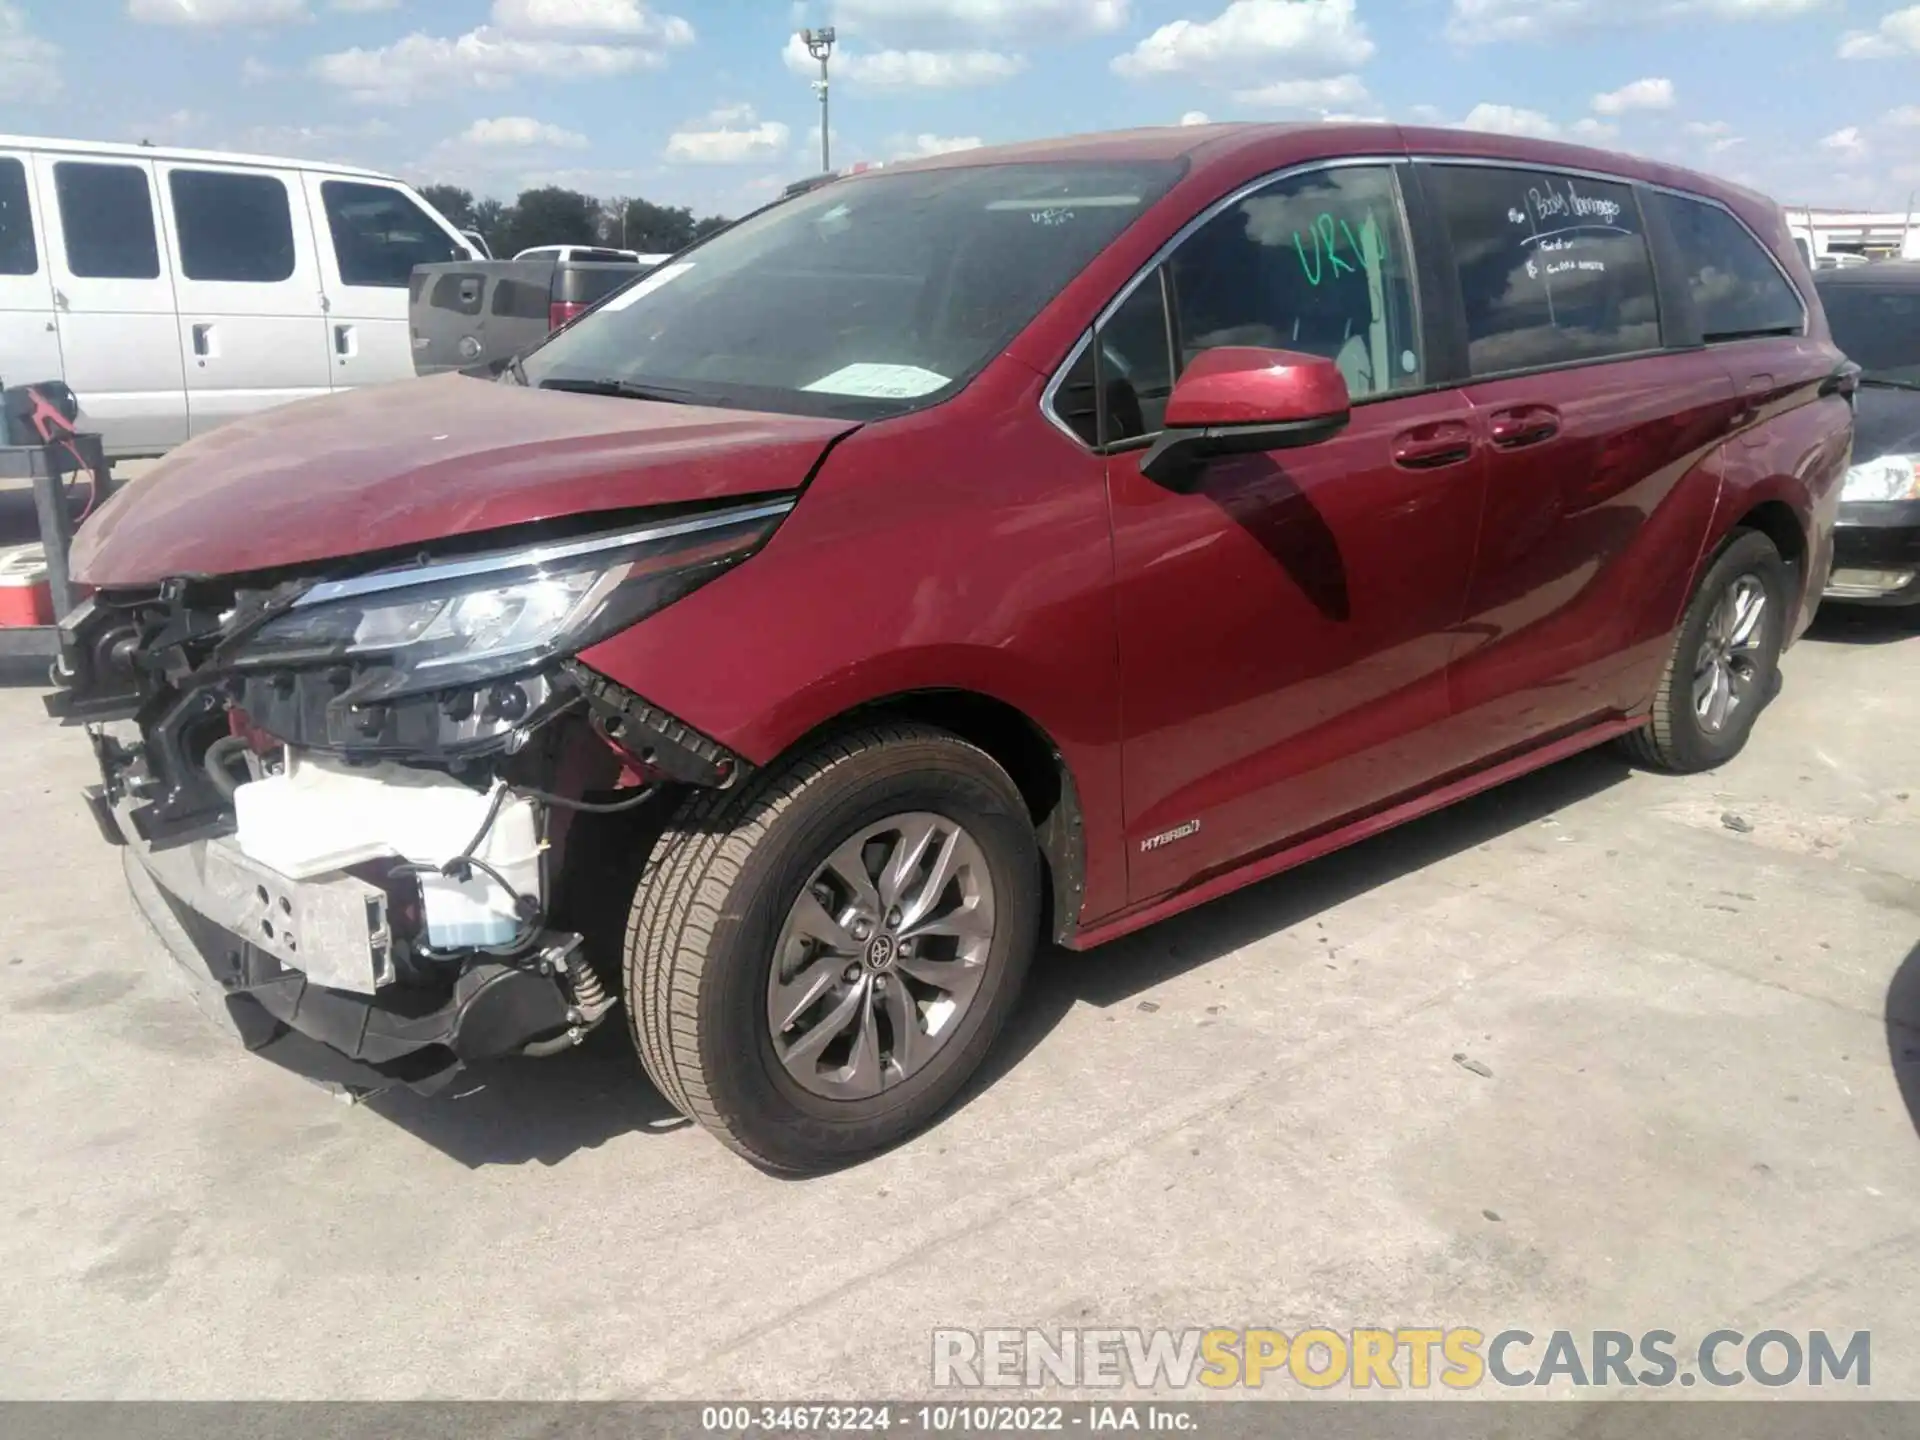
x: 1017, y: 546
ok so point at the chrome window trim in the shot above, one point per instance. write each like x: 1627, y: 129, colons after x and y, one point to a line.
x: 1617, y: 179
x: 1173, y: 243
x: 534, y: 556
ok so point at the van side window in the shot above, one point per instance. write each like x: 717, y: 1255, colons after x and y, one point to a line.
x: 1737, y: 289
x: 106, y: 214
x: 1318, y: 263
x: 379, y: 235
x: 1554, y: 268
x: 18, y: 254
x: 232, y: 226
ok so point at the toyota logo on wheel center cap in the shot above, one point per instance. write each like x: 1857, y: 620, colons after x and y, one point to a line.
x: 880, y: 952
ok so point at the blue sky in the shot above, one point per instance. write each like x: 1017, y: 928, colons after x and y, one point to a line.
x: 706, y: 102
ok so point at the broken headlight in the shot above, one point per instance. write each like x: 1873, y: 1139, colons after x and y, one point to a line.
x: 459, y: 621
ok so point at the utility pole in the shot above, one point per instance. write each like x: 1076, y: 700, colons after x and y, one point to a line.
x: 819, y: 45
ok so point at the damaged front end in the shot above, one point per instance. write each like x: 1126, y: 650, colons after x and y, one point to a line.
x: 359, y: 803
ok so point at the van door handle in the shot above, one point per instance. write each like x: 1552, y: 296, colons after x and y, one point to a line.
x: 343, y: 341
x: 1523, y: 425
x: 203, y: 340
x: 1430, y: 447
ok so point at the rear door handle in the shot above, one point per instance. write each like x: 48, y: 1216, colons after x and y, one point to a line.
x: 203, y: 340
x: 343, y: 340
x: 1523, y: 425
x: 1430, y: 447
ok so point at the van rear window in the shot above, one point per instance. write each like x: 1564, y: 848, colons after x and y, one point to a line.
x: 18, y: 254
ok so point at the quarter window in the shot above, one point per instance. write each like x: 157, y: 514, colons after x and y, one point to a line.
x: 106, y: 217
x: 232, y: 226
x: 1554, y: 268
x: 18, y: 254
x: 379, y: 235
x: 1737, y: 290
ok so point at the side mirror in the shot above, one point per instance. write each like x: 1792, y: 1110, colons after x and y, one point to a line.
x: 1241, y: 399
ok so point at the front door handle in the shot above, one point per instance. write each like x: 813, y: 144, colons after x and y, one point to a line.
x: 1523, y: 425
x: 1429, y: 447
x: 1752, y: 395
x: 343, y: 341
x: 203, y: 340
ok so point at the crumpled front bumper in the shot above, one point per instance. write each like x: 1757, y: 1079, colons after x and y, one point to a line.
x: 414, y: 1035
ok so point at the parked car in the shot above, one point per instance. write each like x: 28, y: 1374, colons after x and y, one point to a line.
x: 1019, y: 545
x: 588, y: 252
x: 478, y: 314
x: 176, y: 290
x: 1875, y: 314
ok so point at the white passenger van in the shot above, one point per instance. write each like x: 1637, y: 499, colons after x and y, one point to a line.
x: 177, y: 289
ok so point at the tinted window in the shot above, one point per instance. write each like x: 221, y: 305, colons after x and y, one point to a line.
x: 231, y: 226
x: 106, y: 214
x: 18, y: 254
x: 865, y: 297
x: 1135, y: 364
x: 1553, y: 268
x: 379, y: 235
x: 1877, y: 326
x: 1316, y: 263
x: 1736, y: 287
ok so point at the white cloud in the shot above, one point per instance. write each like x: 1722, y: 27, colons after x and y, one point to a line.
x: 1510, y: 120
x: 1479, y: 21
x: 29, y: 66
x: 1716, y: 135
x: 1588, y: 128
x: 936, y: 24
x: 1653, y: 93
x: 172, y: 129
x: 1848, y: 142
x: 732, y: 135
x: 255, y: 71
x: 1307, y: 94
x: 314, y: 142
x: 209, y: 14
x: 1903, y: 115
x: 520, y: 131
x: 1195, y: 117
x: 1896, y: 34
x: 362, y: 7
x: 485, y: 58
x: 1317, y: 39
x: 916, y: 69
x: 591, y: 17
x: 918, y: 147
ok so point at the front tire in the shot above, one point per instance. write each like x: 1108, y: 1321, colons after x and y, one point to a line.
x: 1725, y: 662
x: 817, y: 962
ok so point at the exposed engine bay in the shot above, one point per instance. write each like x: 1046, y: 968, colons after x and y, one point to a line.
x: 375, y: 801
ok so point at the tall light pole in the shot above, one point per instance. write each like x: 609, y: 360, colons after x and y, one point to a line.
x: 819, y: 45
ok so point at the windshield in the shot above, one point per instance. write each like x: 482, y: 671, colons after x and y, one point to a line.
x: 1877, y: 327
x: 863, y: 298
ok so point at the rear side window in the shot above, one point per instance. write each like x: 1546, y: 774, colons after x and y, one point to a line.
x: 18, y: 254
x: 106, y: 215
x: 1737, y: 289
x: 379, y: 235
x: 1554, y: 268
x: 232, y: 226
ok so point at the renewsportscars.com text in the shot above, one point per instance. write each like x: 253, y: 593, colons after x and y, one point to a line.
x: 1412, y: 1358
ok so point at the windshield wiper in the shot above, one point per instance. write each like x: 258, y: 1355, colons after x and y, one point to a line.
x: 625, y: 389
x: 1885, y: 383
x: 517, y: 371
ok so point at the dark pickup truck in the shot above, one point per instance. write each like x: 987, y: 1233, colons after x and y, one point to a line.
x: 476, y: 314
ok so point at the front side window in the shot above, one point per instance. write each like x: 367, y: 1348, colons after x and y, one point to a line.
x: 1316, y: 263
x: 18, y: 254
x: 1877, y: 327
x: 379, y: 235
x: 106, y: 216
x: 232, y: 226
x: 1737, y: 289
x: 861, y: 298
x: 1554, y: 268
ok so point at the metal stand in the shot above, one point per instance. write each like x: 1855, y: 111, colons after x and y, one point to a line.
x: 48, y: 466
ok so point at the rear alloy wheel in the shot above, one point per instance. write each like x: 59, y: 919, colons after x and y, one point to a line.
x: 1724, y: 666
x: 818, y: 961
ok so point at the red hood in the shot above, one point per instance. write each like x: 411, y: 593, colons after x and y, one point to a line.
x: 420, y: 460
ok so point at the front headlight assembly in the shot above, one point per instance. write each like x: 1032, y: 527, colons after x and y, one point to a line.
x: 466, y: 620
x: 1891, y: 477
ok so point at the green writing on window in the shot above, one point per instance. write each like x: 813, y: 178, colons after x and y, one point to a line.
x: 1322, y: 257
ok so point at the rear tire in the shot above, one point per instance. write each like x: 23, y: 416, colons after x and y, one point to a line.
x: 746, y: 881
x: 1725, y: 663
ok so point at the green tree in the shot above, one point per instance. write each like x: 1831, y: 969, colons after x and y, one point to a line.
x: 651, y: 229
x: 492, y: 218
x: 550, y: 215
x: 451, y: 201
